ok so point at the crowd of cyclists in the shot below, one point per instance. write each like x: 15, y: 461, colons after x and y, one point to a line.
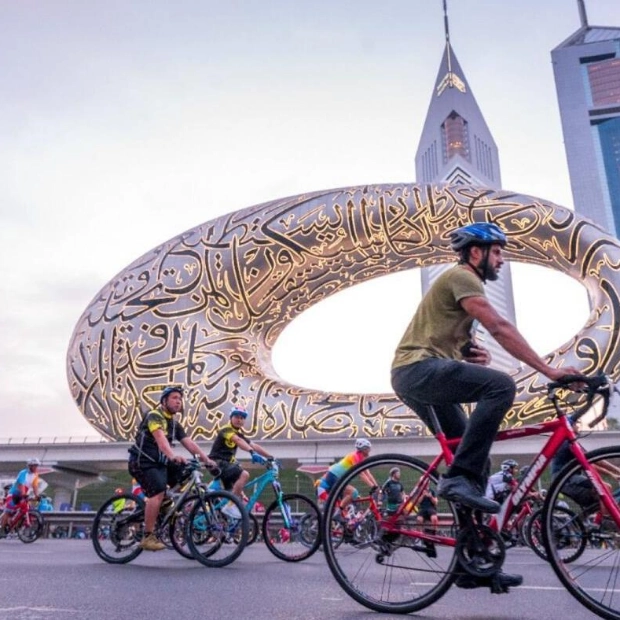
x: 439, y: 364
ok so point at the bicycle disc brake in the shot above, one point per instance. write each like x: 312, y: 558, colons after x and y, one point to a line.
x: 480, y: 550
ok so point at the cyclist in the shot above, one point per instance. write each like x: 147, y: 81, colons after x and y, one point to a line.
x: 427, y: 509
x: 27, y: 480
x: 501, y: 482
x: 392, y: 490
x: 362, y: 451
x: 152, y: 461
x: 439, y: 363
x: 224, y: 452
x: 118, y: 504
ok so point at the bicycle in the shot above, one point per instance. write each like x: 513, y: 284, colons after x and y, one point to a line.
x: 514, y: 530
x: 406, y: 568
x: 118, y: 526
x: 359, y: 526
x: 290, y: 523
x: 26, y: 521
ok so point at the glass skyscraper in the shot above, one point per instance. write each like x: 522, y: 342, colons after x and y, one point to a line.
x: 587, y: 78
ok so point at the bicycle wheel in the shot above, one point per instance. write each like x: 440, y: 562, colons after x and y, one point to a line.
x: 593, y: 578
x: 254, y: 528
x: 569, y: 534
x: 400, y: 570
x: 118, y: 528
x: 29, y: 531
x: 214, y: 538
x: 177, y: 528
x: 291, y: 527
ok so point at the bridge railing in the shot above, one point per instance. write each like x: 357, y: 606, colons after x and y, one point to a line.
x: 33, y: 441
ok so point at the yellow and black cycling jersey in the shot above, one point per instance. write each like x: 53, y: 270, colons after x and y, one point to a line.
x: 145, y: 447
x: 224, y: 448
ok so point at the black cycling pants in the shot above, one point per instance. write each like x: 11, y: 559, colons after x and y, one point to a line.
x: 446, y: 384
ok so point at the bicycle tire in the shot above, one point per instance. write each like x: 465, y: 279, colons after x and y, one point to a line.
x: 214, y: 538
x: 288, y: 525
x: 593, y: 577
x: 569, y: 534
x: 396, y: 572
x: 28, y: 533
x: 116, y: 534
x: 254, y: 529
x: 177, y: 528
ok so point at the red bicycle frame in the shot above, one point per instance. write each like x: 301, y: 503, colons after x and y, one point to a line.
x: 561, y: 430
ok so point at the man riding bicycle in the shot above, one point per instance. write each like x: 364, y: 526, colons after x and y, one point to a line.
x: 362, y: 451
x: 27, y: 480
x: 439, y: 363
x: 153, y: 463
x: 501, y: 482
x: 224, y: 453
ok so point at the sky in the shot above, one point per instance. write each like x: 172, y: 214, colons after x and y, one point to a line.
x: 124, y: 124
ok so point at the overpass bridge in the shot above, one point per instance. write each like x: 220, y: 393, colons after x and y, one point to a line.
x: 72, y: 463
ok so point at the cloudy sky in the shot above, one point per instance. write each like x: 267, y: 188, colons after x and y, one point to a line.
x: 126, y: 123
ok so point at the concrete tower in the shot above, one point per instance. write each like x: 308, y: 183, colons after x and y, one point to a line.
x: 586, y: 67
x: 457, y: 147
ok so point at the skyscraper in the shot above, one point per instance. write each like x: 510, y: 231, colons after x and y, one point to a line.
x: 586, y: 67
x: 457, y: 147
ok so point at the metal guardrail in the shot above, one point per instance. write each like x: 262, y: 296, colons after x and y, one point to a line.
x: 69, y: 519
x: 34, y: 441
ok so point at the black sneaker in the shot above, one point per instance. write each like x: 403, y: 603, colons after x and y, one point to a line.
x: 463, y: 490
x: 498, y: 583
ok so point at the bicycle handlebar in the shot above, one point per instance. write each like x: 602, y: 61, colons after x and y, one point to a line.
x: 597, y: 385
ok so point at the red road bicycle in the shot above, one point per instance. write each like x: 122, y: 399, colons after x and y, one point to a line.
x: 405, y: 568
x: 26, y: 521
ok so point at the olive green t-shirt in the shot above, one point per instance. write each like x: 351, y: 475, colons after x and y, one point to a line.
x: 440, y: 326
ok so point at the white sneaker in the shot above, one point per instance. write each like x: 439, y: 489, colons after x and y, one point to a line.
x: 230, y: 510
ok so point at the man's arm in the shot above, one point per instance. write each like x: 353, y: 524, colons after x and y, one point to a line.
x: 192, y: 447
x: 369, y: 479
x: 240, y: 442
x: 509, y: 337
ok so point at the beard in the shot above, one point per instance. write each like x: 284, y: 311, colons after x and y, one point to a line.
x: 490, y: 273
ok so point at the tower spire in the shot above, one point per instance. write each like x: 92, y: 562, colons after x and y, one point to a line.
x: 450, y: 79
x: 447, y: 31
x: 582, y: 13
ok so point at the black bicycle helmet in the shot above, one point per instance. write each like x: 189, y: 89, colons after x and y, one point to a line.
x: 509, y: 464
x: 167, y: 391
x: 483, y: 233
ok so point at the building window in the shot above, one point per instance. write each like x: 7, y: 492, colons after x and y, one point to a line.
x: 455, y: 137
x: 609, y: 135
x: 604, y: 78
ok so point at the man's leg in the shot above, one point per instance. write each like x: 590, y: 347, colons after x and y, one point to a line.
x: 445, y: 384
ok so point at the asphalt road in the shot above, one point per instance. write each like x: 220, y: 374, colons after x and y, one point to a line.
x: 64, y: 579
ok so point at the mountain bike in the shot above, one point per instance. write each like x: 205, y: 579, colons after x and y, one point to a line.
x: 118, y: 526
x: 290, y: 525
x: 25, y: 521
x: 405, y: 568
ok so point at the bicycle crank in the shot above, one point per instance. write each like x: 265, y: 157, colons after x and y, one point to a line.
x: 480, y: 550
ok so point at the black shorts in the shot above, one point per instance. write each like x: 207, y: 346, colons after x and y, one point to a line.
x: 426, y: 513
x: 230, y: 473
x: 155, y: 478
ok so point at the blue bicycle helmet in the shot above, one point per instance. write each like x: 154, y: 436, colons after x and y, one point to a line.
x: 483, y: 233
x: 239, y: 412
x: 167, y: 391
